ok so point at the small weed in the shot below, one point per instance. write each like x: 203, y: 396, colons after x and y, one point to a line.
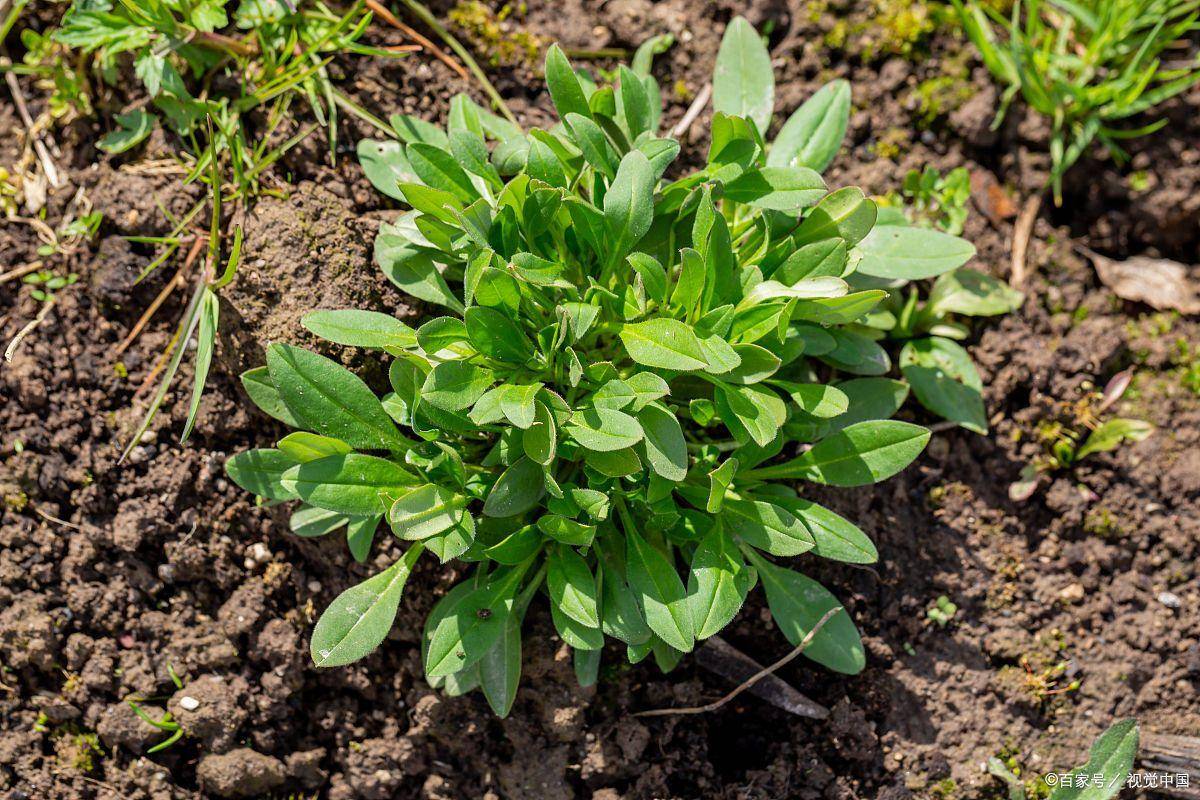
x: 942, y: 611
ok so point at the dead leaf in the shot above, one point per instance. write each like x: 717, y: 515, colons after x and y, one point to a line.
x: 1160, y: 283
x: 991, y: 198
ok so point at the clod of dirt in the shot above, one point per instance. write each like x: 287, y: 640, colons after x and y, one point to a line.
x: 134, y: 202
x: 119, y: 726
x: 1158, y: 282
x: 375, y: 768
x: 306, y: 252
x: 28, y: 634
x: 210, y: 709
x: 240, y: 773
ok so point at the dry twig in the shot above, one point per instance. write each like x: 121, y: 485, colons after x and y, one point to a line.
x: 689, y: 117
x: 1020, y: 246
x: 765, y: 671
x: 12, y: 274
x: 39, y: 146
x: 382, y: 12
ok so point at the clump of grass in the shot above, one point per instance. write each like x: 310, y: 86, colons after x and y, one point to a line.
x: 1088, y: 67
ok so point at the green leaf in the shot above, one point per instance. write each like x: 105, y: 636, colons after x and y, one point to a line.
x: 751, y: 413
x: 767, y: 527
x: 500, y: 669
x: 303, y: 446
x: 628, y: 205
x: 592, y: 143
x: 819, y: 399
x: 797, y: 603
x: 567, y: 531
x: 846, y: 214
x: 719, y: 481
x: 945, y: 381
x: 777, y: 188
x: 472, y: 626
x: 425, y: 511
x: 572, y: 586
x: 206, y: 335
x: 360, y: 533
x: 660, y: 593
x: 439, y: 169
x: 664, y: 343
x: 564, y: 87
x: 309, y: 522
x: 743, y: 80
x: 604, y: 429
x: 257, y: 383
x: 386, y: 166
x: 517, y: 547
x: 356, y: 328
x: 966, y: 291
x: 647, y: 387
x: 260, y: 472
x: 635, y: 103
x: 519, y: 403
x: 813, y: 134
x: 718, y: 583
x: 412, y: 270
x: 540, y: 440
x: 1111, y: 756
x: 866, y: 452
x: 135, y: 126
x: 442, y: 333
x: 352, y: 483
x: 1111, y: 433
x: 665, y: 447
x: 327, y: 398
x: 836, y: 538
x: 620, y: 616
x: 517, y: 490
x: 357, y: 621
x: 497, y: 336
x: 900, y: 252
x: 456, y: 385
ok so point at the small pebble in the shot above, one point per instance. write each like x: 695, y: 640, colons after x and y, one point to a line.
x: 314, y: 586
x: 189, y: 703
x: 1170, y: 599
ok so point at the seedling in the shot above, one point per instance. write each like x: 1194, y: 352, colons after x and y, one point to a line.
x: 1078, y: 431
x: 942, y: 611
x: 631, y: 374
x: 1086, y: 67
x: 938, y: 201
x: 1102, y: 777
x: 166, y: 722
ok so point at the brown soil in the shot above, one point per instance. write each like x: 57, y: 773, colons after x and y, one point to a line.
x: 113, y: 576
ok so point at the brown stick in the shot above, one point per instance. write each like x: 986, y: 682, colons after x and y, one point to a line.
x: 179, y: 280
x: 32, y: 266
x: 1021, y: 233
x: 689, y: 117
x: 765, y: 671
x: 391, y: 19
x: 39, y: 146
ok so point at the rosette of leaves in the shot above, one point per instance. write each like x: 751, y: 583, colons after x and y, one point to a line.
x: 632, y: 381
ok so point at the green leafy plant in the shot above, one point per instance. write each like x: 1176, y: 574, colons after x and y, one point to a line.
x: 166, y: 723
x: 1077, y: 431
x: 1085, y: 66
x: 633, y: 374
x: 936, y: 200
x: 1102, y: 777
x: 942, y: 611
x: 939, y: 371
x: 266, y: 54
